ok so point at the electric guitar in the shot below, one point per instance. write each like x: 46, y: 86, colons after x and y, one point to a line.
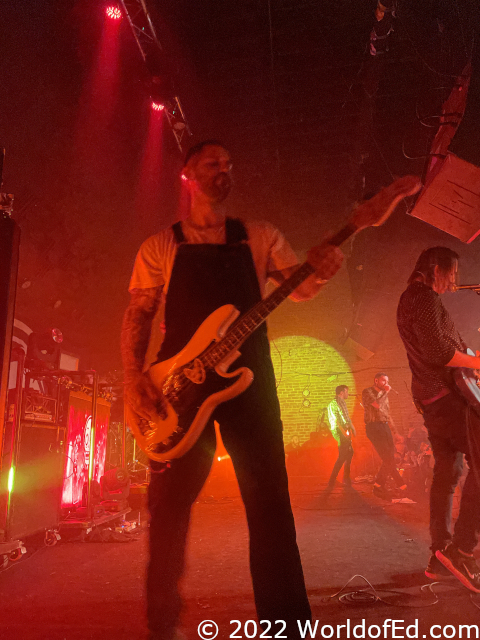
x: 467, y: 381
x: 196, y: 380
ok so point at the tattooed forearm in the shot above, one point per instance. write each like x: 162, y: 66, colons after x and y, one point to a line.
x: 136, y: 328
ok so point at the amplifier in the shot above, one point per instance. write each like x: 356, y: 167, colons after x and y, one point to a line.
x: 36, y: 493
x: 39, y: 408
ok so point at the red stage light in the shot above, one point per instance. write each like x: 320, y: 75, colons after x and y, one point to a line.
x: 157, y: 107
x: 113, y: 12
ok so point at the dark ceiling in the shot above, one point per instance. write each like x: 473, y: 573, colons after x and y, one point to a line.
x: 313, y: 122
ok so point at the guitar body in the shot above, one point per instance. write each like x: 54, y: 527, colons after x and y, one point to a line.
x: 467, y: 383
x: 190, y: 391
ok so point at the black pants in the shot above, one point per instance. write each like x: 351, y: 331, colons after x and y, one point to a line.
x: 345, y: 455
x: 380, y: 436
x: 445, y: 420
x: 256, y: 448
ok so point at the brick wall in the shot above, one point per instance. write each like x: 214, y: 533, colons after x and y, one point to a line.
x: 307, y: 372
x: 311, y: 359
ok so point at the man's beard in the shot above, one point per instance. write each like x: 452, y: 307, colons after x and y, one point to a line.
x: 220, y: 187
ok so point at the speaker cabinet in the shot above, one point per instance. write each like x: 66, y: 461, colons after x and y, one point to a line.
x: 37, y: 486
x: 9, y: 246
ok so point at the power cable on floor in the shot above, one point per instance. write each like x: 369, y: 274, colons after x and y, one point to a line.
x: 475, y: 604
x: 19, y: 563
x: 362, y: 597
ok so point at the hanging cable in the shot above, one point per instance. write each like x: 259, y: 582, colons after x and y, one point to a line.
x: 274, y: 97
x: 421, y: 58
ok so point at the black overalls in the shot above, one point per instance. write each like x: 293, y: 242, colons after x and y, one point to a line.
x: 205, y: 277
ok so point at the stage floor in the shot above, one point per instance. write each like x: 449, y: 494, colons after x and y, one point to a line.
x: 95, y: 590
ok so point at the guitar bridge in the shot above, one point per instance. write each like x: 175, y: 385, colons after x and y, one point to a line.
x: 168, y: 443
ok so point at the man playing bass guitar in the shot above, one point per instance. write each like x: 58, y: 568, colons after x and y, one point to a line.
x: 204, y: 267
x: 434, y: 348
x: 198, y: 265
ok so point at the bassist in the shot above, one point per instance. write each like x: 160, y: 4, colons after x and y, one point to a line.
x: 198, y: 265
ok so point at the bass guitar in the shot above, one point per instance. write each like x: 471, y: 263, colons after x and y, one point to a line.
x: 196, y: 380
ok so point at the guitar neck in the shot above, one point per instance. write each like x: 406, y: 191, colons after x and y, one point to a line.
x: 246, y: 324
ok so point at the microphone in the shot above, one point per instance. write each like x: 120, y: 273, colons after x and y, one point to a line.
x: 464, y: 287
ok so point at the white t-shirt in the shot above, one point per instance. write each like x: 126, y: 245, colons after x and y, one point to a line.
x: 154, y: 261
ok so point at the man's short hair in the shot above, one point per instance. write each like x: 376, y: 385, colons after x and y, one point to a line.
x: 380, y: 374
x: 340, y: 388
x: 443, y: 257
x: 198, y: 148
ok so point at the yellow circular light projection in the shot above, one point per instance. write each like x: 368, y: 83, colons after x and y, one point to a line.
x: 307, y: 372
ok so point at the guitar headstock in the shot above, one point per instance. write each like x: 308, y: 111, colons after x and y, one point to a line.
x: 375, y: 211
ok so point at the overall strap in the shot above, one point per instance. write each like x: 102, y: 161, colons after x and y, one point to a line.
x: 235, y: 231
x: 178, y: 232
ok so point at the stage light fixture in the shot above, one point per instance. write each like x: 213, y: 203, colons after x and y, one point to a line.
x: 57, y: 335
x: 115, y: 485
x: 113, y: 12
x: 44, y: 349
x: 115, y: 479
x: 160, y: 85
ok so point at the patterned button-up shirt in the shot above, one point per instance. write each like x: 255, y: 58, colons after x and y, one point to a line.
x: 430, y: 338
x: 371, y: 395
x: 338, y: 413
x: 338, y: 416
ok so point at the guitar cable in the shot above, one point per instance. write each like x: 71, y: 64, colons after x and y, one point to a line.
x: 362, y: 597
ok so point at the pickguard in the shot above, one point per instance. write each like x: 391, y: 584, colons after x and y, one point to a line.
x: 189, y: 401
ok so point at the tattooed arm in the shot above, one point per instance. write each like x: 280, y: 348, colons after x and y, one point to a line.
x: 136, y: 328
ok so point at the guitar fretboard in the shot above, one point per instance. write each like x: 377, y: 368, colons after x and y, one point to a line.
x: 246, y: 325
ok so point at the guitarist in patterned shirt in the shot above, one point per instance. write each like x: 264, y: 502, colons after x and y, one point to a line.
x: 434, y: 348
